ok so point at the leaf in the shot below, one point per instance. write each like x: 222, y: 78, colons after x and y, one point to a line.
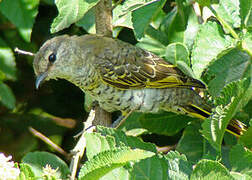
x: 246, y: 138
x: 191, y: 143
x: 175, y: 22
x: 70, y: 12
x: 234, y: 97
x: 209, y: 169
x: 229, y: 12
x: 87, y: 22
x: 38, y: 160
x: 7, y: 62
x: 152, y: 45
x: 7, y: 98
x: 141, y: 17
x: 154, y: 167
x: 210, y: 42
x: 96, y: 143
x: 241, y: 159
x: 177, y: 52
x: 22, y: 14
x: 178, y: 166
x: 166, y: 123
x: 122, y: 140
x: 233, y: 65
x: 247, y: 42
x: 246, y: 13
x: 26, y: 169
x: 106, y: 161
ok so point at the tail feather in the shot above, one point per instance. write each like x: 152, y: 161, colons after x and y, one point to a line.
x: 234, y: 127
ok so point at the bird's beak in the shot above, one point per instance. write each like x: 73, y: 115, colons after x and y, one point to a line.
x: 40, y: 79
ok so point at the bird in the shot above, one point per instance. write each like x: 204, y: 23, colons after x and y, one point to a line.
x: 122, y: 77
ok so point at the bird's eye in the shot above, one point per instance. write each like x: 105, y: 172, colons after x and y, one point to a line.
x: 52, y: 58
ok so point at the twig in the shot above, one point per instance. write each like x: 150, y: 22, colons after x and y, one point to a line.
x: 48, y: 141
x: 19, y: 51
x: 80, y: 147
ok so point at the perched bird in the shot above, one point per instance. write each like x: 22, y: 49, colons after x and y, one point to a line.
x: 121, y: 76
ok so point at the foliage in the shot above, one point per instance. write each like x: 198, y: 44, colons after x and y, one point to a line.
x: 216, y: 49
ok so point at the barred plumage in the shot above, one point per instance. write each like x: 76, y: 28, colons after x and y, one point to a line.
x: 120, y: 76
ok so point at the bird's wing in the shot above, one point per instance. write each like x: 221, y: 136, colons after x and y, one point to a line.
x: 132, y: 67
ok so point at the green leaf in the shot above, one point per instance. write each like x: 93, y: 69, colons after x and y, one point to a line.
x: 152, y: 45
x: 229, y: 12
x: 177, y: 52
x: 38, y: 160
x: 229, y: 66
x: 166, y: 123
x: 209, y: 169
x: 141, y: 17
x: 96, y: 143
x: 246, y: 138
x: 241, y: 159
x: 154, y: 167
x: 234, y: 97
x: 191, y: 143
x: 121, y: 16
x: 22, y: 14
x: 175, y: 22
x: 178, y: 166
x: 239, y: 176
x: 70, y: 12
x: 106, y: 161
x: 210, y: 42
x: 7, y: 98
x: 26, y: 169
x: 247, y: 42
x: 87, y: 22
x: 246, y: 12
x: 122, y: 140
x: 7, y: 62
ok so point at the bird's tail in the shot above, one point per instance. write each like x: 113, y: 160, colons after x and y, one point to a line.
x: 234, y: 127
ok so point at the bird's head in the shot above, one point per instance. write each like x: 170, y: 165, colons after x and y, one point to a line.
x: 54, y: 58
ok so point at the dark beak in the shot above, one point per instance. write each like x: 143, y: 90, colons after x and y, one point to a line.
x: 40, y: 79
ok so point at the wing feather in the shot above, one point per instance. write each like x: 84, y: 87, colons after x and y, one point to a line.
x: 127, y: 66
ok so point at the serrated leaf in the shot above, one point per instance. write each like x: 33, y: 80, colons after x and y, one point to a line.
x: 247, y: 42
x: 141, y: 17
x: 22, y: 14
x: 123, y: 140
x: 209, y: 169
x: 191, y: 143
x: 241, y: 159
x: 229, y: 12
x: 178, y: 166
x: 233, y: 98
x: 7, y: 98
x: 177, y: 52
x: 166, y: 123
x: 96, y: 143
x: 38, y: 160
x: 231, y: 66
x: 70, y: 12
x: 245, y: 12
x: 239, y: 176
x: 210, y: 41
x: 7, y: 62
x: 106, y: 161
x: 154, y: 167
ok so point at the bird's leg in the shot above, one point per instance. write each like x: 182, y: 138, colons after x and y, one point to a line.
x: 121, y: 119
